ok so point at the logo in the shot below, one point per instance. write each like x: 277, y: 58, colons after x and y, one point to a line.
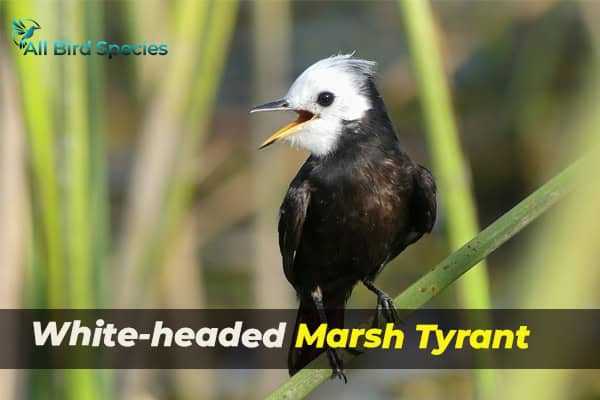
x: 23, y: 30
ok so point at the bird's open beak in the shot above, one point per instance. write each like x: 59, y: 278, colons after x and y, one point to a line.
x: 289, y: 129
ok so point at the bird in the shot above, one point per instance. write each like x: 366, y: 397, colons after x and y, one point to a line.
x: 21, y: 29
x: 357, y: 201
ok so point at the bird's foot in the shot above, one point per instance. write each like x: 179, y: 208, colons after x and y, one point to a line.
x: 336, y: 365
x: 386, y: 307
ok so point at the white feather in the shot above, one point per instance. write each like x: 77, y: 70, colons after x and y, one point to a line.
x: 341, y: 75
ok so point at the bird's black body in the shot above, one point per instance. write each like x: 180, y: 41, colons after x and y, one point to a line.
x: 347, y: 214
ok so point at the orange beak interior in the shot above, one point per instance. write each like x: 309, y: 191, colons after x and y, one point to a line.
x: 289, y: 129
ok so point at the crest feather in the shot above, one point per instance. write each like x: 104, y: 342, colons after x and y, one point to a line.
x: 347, y: 62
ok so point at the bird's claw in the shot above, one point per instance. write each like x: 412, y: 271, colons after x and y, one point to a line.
x: 385, y: 306
x: 336, y: 365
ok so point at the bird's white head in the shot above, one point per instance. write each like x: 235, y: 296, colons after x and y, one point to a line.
x: 325, y: 96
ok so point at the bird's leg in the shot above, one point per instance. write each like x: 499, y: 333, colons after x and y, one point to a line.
x: 334, y: 358
x: 385, y: 303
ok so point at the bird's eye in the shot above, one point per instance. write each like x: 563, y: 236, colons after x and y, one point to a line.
x: 325, y: 99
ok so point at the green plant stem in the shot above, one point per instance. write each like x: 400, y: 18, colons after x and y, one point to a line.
x: 99, y: 203
x: 166, y: 112
x: 80, y: 384
x: 37, y: 77
x: 450, y: 167
x: 214, y: 55
x: 78, y: 166
x: 450, y: 269
x: 449, y: 164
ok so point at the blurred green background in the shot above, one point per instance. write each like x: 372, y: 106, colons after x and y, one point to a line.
x: 136, y: 182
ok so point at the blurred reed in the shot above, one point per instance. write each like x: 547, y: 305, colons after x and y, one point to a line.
x: 158, y: 245
x: 79, y: 384
x: 565, y: 249
x: 159, y: 140
x: 37, y: 80
x: 272, y: 66
x: 77, y: 259
x: 46, y: 272
x: 450, y: 166
x: 59, y: 260
x: 98, y: 176
x: 174, y: 126
x: 180, y: 222
x: 151, y: 19
x: 77, y: 149
x: 533, y: 107
x: 14, y: 209
x: 221, y: 22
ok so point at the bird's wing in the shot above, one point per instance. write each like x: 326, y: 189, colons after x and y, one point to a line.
x: 292, y: 215
x: 18, y: 26
x: 423, y: 203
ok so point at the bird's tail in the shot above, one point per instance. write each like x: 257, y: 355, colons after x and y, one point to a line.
x: 298, y: 358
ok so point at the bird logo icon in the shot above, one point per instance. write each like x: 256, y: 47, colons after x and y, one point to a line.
x: 23, y: 30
